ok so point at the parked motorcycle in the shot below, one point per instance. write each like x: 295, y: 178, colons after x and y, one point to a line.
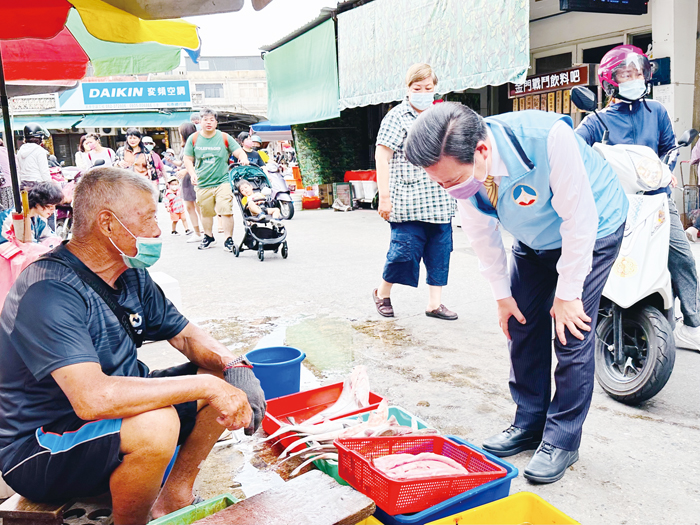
x: 64, y: 211
x: 281, y: 196
x: 55, y: 169
x: 635, y: 350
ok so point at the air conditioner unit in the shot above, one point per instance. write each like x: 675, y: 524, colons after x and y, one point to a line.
x: 92, y: 130
x: 108, y: 132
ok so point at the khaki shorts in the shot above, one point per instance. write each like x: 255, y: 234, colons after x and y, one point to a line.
x: 215, y: 201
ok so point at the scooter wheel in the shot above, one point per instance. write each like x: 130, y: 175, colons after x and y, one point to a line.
x: 650, y: 355
x: 261, y: 253
x: 236, y: 251
x: 286, y: 209
x: 285, y: 250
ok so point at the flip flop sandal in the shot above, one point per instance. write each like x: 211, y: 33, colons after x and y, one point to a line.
x: 383, y: 305
x: 442, y: 313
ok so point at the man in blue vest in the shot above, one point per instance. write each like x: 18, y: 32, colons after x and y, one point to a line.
x: 566, y: 210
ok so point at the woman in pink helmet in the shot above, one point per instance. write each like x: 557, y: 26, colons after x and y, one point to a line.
x: 625, y: 74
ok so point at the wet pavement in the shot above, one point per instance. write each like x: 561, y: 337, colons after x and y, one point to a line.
x: 637, y: 466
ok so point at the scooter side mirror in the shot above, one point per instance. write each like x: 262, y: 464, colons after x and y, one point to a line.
x: 687, y: 138
x: 583, y: 98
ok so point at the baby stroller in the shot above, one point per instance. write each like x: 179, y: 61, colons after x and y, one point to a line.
x: 261, y: 233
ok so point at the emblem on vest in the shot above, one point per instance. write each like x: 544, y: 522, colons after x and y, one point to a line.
x: 524, y: 195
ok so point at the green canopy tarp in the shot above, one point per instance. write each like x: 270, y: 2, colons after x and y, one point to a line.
x: 46, y: 121
x: 302, y: 78
x: 136, y: 120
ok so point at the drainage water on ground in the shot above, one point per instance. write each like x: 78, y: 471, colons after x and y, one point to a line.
x: 243, y: 465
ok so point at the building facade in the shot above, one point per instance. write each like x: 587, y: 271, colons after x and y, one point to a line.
x: 156, y: 104
x: 233, y: 84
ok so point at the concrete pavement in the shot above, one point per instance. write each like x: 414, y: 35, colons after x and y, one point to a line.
x: 637, y: 466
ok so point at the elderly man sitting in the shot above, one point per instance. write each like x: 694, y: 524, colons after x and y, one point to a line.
x: 79, y: 414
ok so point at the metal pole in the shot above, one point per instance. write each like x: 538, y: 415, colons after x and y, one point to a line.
x: 9, y: 138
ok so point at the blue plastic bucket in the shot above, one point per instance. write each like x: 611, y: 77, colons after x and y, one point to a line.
x: 278, y: 369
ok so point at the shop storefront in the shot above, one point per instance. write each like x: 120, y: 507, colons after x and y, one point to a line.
x: 551, y: 91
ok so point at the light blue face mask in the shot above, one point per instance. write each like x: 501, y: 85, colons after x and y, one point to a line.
x: 421, y: 101
x: 632, y: 90
x: 147, y: 250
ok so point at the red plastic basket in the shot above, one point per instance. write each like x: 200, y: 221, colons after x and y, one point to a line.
x: 355, y: 466
x: 303, y: 405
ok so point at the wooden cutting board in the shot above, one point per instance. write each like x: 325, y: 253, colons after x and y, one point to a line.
x: 313, y: 497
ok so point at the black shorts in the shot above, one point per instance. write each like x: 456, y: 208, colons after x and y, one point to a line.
x: 71, y: 458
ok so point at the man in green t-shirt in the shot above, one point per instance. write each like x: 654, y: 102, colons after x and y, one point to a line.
x: 206, y: 159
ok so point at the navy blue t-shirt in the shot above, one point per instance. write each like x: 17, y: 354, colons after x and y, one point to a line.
x: 52, y: 319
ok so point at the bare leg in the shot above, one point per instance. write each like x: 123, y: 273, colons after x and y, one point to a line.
x: 384, y: 290
x: 191, y: 208
x: 174, y: 226
x: 227, y: 224
x: 177, y: 492
x: 136, y: 482
x: 435, y: 298
x: 207, y: 225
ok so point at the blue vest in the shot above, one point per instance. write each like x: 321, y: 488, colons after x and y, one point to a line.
x: 525, y: 198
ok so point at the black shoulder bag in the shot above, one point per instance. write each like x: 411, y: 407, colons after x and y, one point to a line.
x: 105, y: 292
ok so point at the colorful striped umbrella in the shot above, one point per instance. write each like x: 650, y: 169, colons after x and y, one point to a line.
x: 54, y: 40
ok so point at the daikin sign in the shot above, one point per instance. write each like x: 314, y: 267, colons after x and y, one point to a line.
x: 127, y: 95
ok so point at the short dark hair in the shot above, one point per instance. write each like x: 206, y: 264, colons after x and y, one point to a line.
x: 445, y: 130
x: 45, y: 194
x: 208, y: 111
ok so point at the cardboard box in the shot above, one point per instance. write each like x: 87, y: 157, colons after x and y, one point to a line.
x: 325, y: 192
x: 343, y: 192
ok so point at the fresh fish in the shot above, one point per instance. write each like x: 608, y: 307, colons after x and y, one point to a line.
x: 329, y: 457
x: 376, y: 418
x: 312, y: 450
x: 355, y: 395
x: 426, y: 464
x: 328, y: 437
x: 305, y: 429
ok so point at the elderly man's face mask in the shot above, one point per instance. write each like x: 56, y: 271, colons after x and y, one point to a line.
x: 147, y: 250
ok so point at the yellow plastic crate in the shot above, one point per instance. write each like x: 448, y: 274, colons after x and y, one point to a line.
x: 370, y: 521
x: 519, y: 509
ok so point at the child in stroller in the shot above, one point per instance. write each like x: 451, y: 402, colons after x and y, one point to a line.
x: 263, y: 231
x: 255, y: 202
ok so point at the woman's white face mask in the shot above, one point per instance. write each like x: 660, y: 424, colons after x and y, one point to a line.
x: 633, y: 90
x: 421, y: 101
x: 421, y: 94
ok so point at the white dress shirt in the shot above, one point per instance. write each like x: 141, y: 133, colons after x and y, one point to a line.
x: 573, y: 201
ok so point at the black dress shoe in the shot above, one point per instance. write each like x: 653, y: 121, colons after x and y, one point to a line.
x: 512, y: 441
x: 549, y: 463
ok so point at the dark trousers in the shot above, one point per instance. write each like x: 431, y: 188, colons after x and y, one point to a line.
x: 533, y: 283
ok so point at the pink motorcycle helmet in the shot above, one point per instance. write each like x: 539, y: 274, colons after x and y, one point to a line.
x: 620, y: 62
